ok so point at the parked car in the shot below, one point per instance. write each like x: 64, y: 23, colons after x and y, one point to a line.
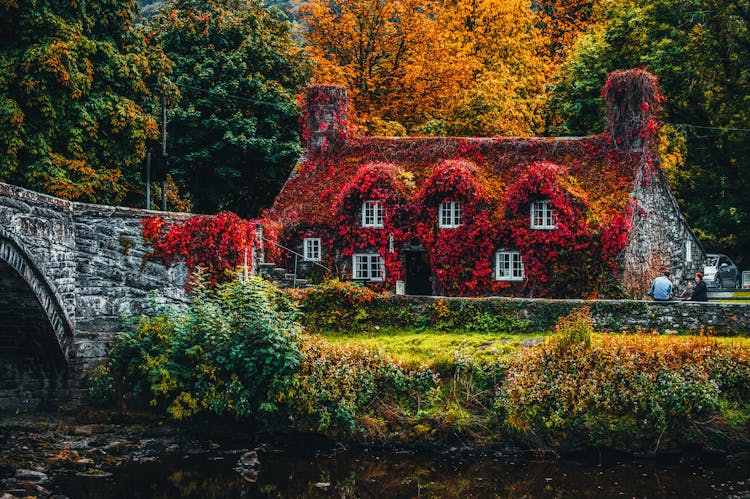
x: 720, y: 272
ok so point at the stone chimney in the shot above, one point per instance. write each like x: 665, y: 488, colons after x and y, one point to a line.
x: 327, y: 107
x: 633, y: 101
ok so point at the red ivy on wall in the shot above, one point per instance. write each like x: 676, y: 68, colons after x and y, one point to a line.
x: 634, y: 101
x: 216, y: 243
x: 460, y: 257
x: 376, y: 182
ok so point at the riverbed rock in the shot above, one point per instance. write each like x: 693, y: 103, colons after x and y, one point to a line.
x: 31, y: 475
x: 249, y: 460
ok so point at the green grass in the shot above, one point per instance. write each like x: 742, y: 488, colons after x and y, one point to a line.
x: 437, y: 348
x: 434, y: 348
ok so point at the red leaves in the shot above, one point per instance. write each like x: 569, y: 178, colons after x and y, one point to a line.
x: 215, y: 243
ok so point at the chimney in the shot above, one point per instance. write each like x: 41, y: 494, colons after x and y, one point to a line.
x: 326, y: 121
x: 633, y: 101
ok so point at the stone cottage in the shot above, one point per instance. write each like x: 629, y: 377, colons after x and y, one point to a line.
x: 468, y: 216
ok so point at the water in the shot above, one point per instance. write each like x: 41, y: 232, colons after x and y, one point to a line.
x: 301, y: 471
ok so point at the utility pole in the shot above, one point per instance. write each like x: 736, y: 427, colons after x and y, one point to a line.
x: 164, y: 151
x: 148, y: 181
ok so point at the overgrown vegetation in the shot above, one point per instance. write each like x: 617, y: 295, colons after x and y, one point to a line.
x: 239, y: 352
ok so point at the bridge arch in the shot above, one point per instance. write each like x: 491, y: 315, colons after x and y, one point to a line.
x: 34, y: 325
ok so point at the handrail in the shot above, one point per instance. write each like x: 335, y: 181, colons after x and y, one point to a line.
x: 294, y: 252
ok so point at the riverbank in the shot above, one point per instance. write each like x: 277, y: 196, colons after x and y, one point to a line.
x: 66, y: 455
x: 238, y: 353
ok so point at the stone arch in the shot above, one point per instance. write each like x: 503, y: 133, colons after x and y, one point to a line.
x: 35, y: 324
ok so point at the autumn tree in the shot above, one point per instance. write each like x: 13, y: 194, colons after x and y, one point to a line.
x: 397, y: 65
x: 506, y: 94
x: 700, y: 51
x: 463, y: 67
x: 232, y: 135
x: 562, y: 21
x: 77, y: 90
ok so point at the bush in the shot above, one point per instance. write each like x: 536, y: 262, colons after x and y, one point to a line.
x: 627, y: 392
x: 574, y: 330
x: 337, y: 306
x: 343, y: 389
x: 232, y: 353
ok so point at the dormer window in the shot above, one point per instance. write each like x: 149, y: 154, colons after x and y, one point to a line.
x: 508, y: 266
x: 541, y: 215
x: 311, y: 249
x: 372, y: 214
x: 449, y: 215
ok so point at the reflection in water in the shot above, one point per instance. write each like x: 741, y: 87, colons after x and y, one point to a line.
x: 308, y: 473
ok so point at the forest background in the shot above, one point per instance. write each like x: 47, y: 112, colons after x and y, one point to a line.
x: 82, y: 85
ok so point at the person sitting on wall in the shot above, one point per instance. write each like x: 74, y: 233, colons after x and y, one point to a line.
x: 661, y: 288
x: 700, y: 290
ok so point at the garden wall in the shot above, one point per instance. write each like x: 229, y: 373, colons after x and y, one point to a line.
x: 618, y: 315
x: 347, y: 307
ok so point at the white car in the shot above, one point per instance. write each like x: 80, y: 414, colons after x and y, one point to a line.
x: 720, y: 272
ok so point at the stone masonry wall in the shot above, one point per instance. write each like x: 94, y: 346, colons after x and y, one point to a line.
x: 609, y: 315
x: 659, y: 235
x: 93, y: 258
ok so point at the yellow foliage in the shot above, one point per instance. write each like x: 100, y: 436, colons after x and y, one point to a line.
x: 476, y: 67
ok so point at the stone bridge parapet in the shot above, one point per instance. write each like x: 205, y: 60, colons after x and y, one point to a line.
x: 69, y: 273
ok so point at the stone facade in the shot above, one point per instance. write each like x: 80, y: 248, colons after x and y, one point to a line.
x: 615, y: 173
x: 69, y: 274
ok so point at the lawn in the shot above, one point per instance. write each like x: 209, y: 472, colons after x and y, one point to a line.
x: 434, y: 347
x: 439, y: 348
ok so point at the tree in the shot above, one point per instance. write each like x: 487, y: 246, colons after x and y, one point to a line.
x: 563, y: 21
x: 77, y: 89
x: 390, y: 54
x: 506, y: 94
x: 463, y: 67
x: 232, y: 136
x: 700, y: 50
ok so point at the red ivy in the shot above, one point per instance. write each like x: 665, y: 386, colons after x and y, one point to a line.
x: 216, y: 243
x: 460, y: 257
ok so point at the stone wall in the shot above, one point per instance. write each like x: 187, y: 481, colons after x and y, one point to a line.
x: 114, y: 279
x: 90, y: 262
x: 609, y: 315
x: 520, y: 314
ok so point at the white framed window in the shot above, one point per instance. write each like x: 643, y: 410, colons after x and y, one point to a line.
x: 688, y: 250
x: 311, y: 249
x: 368, y: 266
x: 449, y: 215
x: 508, y: 266
x: 541, y: 215
x: 372, y: 214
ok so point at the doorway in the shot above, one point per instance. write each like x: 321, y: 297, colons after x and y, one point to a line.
x: 418, y: 273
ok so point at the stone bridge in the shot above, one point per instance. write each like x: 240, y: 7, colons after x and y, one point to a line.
x: 69, y: 273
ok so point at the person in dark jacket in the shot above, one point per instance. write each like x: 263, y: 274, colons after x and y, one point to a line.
x: 700, y: 290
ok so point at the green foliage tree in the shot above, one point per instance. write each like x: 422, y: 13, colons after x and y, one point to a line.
x: 77, y: 89
x: 700, y: 50
x: 232, y: 136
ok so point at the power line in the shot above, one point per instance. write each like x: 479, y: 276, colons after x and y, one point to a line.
x: 705, y: 127
x: 227, y: 96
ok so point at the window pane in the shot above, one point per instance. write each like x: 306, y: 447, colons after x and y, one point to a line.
x: 509, y: 266
x: 311, y: 249
x: 372, y: 213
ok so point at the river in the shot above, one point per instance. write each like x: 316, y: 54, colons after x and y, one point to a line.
x: 41, y: 458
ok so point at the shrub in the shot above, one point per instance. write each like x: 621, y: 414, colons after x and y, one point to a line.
x: 337, y: 306
x: 343, y: 389
x: 626, y: 392
x: 232, y: 353
x: 574, y: 330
